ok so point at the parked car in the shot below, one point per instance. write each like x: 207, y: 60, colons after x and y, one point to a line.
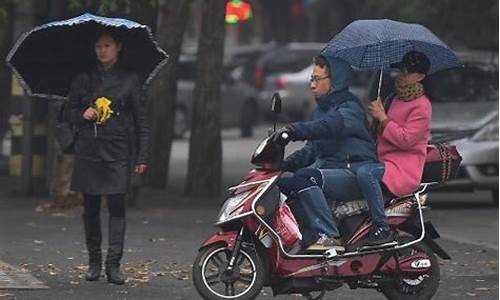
x: 288, y: 58
x: 294, y: 90
x: 465, y: 113
x: 243, y: 60
x: 238, y: 99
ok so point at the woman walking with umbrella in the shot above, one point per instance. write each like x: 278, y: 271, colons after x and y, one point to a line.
x: 101, y: 68
x: 104, y: 103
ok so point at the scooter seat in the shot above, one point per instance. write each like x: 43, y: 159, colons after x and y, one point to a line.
x: 354, y: 207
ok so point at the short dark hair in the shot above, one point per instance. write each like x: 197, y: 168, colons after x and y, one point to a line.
x: 321, y: 61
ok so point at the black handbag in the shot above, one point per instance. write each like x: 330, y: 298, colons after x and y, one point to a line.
x: 65, y: 132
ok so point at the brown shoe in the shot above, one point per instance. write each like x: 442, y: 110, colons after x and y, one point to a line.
x: 325, y: 243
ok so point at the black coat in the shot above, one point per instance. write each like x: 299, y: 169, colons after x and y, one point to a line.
x: 110, y: 141
x: 103, y: 152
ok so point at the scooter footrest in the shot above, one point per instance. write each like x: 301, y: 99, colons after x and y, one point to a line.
x: 381, y: 246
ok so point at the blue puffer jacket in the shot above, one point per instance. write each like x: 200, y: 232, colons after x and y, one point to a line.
x: 337, y: 136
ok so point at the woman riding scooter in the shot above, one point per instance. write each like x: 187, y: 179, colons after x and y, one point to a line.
x: 338, y: 142
x: 402, y: 136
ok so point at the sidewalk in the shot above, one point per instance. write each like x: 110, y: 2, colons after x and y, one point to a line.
x: 162, y: 241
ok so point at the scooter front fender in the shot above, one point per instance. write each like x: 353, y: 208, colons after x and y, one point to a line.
x: 227, y: 238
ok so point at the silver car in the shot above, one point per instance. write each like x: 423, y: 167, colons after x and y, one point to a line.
x: 238, y: 100
x: 296, y: 95
x: 465, y: 113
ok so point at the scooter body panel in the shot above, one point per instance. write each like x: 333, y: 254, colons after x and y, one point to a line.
x: 228, y: 238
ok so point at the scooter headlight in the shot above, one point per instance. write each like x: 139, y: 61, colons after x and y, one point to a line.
x: 232, y: 207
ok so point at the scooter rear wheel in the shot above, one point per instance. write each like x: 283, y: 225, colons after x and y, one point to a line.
x: 420, y: 288
x: 214, y: 282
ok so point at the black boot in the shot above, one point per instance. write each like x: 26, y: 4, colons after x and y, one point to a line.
x: 115, y: 250
x: 92, y: 227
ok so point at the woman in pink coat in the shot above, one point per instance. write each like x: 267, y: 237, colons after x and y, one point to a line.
x: 402, y: 135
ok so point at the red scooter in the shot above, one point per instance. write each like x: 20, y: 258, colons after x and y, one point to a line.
x: 248, y: 253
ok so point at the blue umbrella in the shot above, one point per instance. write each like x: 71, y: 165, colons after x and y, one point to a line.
x: 376, y: 44
x: 48, y: 57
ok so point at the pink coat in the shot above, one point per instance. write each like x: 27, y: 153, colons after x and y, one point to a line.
x: 402, y: 146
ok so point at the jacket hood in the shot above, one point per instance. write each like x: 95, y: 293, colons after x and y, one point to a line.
x: 340, y: 73
x: 341, y: 76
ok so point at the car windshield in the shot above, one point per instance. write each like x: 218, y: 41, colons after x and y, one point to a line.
x: 471, y: 83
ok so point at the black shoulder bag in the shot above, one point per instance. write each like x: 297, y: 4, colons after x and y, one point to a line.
x: 66, y: 132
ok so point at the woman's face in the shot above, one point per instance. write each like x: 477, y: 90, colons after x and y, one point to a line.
x: 406, y: 78
x: 107, y: 50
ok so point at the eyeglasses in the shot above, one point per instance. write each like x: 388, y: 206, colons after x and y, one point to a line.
x: 315, y: 79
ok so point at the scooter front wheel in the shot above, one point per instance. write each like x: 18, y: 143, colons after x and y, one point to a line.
x: 214, y: 281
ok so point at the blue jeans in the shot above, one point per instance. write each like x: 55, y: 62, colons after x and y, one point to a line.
x: 308, y: 203
x: 369, y: 179
x: 337, y: 185
x: 345, y: 185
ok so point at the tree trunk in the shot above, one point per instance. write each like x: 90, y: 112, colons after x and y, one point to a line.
x: 171, y: 23
x: 59, y: 165
x: 5, y: 75
x: 205, y: 149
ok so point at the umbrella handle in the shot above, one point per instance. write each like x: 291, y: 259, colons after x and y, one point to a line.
x: 380, y: 81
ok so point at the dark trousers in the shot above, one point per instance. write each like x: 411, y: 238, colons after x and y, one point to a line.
x: 116, y: 235
x: 116, y: 205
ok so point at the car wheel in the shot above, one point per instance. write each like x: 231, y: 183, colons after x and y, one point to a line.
x: 180, y: 123
x: 248, y: 118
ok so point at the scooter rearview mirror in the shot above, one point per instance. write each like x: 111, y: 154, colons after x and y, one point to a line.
x: 276, y: 108
x: 276, y: 103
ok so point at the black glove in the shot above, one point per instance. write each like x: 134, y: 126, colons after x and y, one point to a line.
x: 282, y: 136
x: 286, y: 166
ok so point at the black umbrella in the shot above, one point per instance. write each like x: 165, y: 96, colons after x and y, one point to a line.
x: 47, y: 58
